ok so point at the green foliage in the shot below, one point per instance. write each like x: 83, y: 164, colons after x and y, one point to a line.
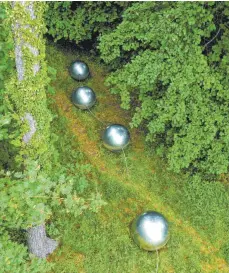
x: 13, y: 255
x: 7, y: 121
x: 31, y: 197
x: 39, y: 192
x: 33, y: 86
x: 84, y: 20
x: 172, y: 70
x: 14, y: 258
x: 28, y: 198
x: 5, y: 47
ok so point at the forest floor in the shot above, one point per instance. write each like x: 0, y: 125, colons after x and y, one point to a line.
x: 101, y: 243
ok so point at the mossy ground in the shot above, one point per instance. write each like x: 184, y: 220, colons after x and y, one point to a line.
x: 101, y: 243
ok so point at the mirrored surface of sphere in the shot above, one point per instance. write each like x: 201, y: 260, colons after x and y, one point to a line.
x: 116, y: 137
x: 79, y: 70
x: 83, y: 97
x: 150, y: 230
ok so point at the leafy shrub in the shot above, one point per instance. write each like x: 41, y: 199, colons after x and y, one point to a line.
x: 14, y: 258
x: 40, y: 195
x: 171, y: 65
x: 8, y: 131
x: 79, y: 21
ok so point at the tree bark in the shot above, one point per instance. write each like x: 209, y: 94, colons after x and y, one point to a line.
x: 38, y: 243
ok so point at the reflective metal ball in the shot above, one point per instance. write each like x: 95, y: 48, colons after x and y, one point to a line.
x: 116, y: 137
x: 79, y: 70
x: 150, y: 230
x: 83, y: 97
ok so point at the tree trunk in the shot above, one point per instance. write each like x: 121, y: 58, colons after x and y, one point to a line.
x: 38, y: 243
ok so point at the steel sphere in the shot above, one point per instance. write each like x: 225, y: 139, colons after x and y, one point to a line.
x: 83, y: 97
x: 150, y: 230
x: 116, y: 137
x: 79, y: 70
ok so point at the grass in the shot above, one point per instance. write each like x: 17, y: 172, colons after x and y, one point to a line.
x: 101, y: 243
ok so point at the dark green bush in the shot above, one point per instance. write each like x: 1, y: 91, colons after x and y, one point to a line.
x: 175, y: 79
x: 80, y: 21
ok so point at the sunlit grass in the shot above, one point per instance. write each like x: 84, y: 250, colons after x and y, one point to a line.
x: 101, y: 243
